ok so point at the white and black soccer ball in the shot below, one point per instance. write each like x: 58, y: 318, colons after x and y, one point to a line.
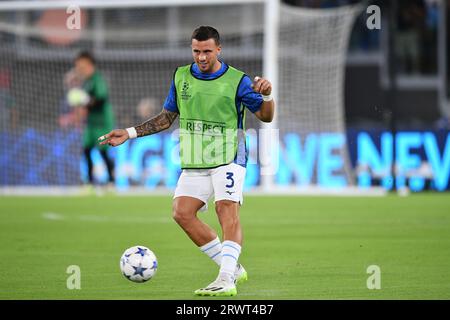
x: 138, y: 264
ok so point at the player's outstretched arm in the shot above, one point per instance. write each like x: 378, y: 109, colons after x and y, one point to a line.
x: 158, y: 123
x: 264, y: 87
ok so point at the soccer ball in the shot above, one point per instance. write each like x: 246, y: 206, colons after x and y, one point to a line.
x: 77, y: 97
x: 138, y: 264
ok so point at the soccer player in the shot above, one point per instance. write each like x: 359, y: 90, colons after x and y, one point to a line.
x: 210, y: 97
x: 100, y: 116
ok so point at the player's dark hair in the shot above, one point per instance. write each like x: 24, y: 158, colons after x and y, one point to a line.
x: 85, y: 55
x: 204, y: 33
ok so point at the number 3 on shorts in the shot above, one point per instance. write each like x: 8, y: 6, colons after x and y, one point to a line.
x: 230, y: 177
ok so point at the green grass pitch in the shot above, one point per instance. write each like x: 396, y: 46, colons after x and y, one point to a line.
x: 294, y: 247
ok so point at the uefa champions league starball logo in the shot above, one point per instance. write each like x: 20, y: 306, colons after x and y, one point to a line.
x: 184, y: 94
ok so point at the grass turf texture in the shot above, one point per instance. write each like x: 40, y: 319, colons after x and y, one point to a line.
x: 295, y: 247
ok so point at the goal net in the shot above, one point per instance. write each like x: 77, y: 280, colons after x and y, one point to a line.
x: 312, y: 56
x: 137, y: 48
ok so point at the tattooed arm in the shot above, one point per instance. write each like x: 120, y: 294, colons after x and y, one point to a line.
x: 158, y: 123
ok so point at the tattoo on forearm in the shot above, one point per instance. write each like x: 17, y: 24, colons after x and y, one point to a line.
x: 156, y: 124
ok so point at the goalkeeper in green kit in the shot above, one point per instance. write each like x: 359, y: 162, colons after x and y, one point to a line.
x: 211, y: 98
x: 100, y: 117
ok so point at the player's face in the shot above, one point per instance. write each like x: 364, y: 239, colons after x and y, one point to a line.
x: 205, y: 54
x: 84, y: 68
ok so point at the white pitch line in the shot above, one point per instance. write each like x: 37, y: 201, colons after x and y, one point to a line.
x: 52, y: 216
x: 105, y: 218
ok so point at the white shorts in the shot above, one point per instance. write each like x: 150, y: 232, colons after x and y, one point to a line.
x: 225, y: 183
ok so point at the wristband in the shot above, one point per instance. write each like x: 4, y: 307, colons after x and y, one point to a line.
x: 131, y: 132
x: 268, y: 97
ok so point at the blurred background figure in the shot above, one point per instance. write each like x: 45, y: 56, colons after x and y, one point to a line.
x: 99, y: 118
x: 8, y: 112
x: 410, y: 32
